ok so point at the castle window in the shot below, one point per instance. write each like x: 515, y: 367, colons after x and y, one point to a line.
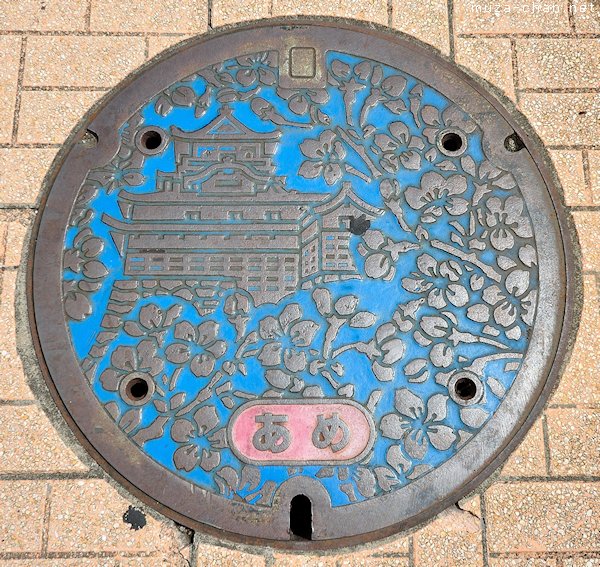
x: 234, y: 215
x: 273, y: 215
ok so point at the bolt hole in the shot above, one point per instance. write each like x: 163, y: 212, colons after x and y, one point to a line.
x: 465, y: 388
x: 137, y: 389
x: 151, y: 139
x: 452, y: 142
x: 513, y: 143
x: 301, y: 517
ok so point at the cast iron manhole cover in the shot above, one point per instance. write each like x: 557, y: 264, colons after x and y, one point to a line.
x: 300, y: 281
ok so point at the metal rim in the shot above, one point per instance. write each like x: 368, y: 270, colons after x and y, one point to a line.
x: 70, y: 401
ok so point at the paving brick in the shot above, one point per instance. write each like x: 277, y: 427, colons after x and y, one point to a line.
x: 227, y: 12
x: 558, y: 63
x: 564, y: 118
x: 543, y: 516
x: 529, y: 458
x: 217, y: 556
x: 579, y: 383
x: 586, y: 15
x: 574, y: 441
x: 392, y: 552
x: 569, y: 166
x: 427, y: 21
x: 10, y: 52
x: 12, y: 377
x: 65, y: 15
x: 580, y: 562
x: 100, y: 561
x: 158, y: 43
x: 87, y: 515
x: 510, y: 16
x: 362, y: 560
x: 184, y: 16
x: 523, y: 562
x: 12, y: 246
x: 594, y: 170
x: 375, y: 10
x: 296, y: 560
x: 23, y: 170
x: 57, y: 60
x: 47, y: 117
x: 29, y: 443
x: 21, y: 515
x: 491, y: 58
x: 587, y: 223
x: 453, y: 538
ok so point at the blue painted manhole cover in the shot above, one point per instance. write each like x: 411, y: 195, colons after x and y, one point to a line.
x: 300, y: 283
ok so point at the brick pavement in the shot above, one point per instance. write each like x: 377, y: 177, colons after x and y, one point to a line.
x: 58, y: 56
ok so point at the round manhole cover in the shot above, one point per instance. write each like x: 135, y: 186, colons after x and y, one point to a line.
x: 300, y: 282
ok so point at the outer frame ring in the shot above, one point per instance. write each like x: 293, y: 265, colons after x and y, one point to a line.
x: 98, y: 435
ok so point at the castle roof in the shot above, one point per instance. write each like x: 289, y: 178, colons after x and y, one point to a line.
x: 346, y: 193
x: 225, y: 127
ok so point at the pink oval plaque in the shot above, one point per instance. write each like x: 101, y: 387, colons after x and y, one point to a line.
x: 301, y: 432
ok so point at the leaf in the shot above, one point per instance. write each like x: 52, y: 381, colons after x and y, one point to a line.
x: 77, y: 306
x: 186, y: 457
x: 229, y: 479
x: 163, y: 106
x: 92, y: 247
x: 155, y: 430
x: 94, y: 269
x: 363, y: 319
x: 322, y: 298
x: 386, y: 479
x: 133, y: 329
x: 346, y: 305
x: 365, y: 482
x: 206, y: 419
x: 130, y: 420
x: 182, y: 430
x: 177, y: 400
x: 185, y: 331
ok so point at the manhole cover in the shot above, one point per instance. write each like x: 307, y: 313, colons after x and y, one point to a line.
x: 300, y: 282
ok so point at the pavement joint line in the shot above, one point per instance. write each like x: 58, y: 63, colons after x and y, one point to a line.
x: 8, y: 555
x: 20, y: 76
x: 209, y: 8
x: 18, y: 403
x: 528, y: 35
x: 571, y: 15
x: 46, y: 524
x: 515, y: 69
x: 411, y: 551
x: 483, y: 520
x: 547, y: 479
x: 24, y: 145
x: 390, y: 13
x: 38, y: 476
x: 146, y: 48
x: 4, y: 248
x: 561, y: 90
x: 576, y: 406
x: 88, y: 16
x: 64, y: 88
x: 543, y: 554
x: 18, y: 206
x: 451, y: 42
x: 572, y: 146
x: 585, y: 158
x: 546, y: 439
x: 83, y: 33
